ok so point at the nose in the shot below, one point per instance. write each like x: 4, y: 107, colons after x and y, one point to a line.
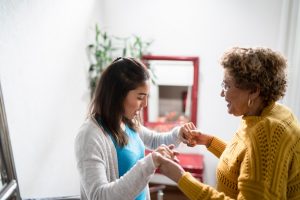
x: 145, y: 102
x: 222, y: 93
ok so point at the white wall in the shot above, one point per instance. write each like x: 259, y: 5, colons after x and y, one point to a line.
x: 43, y: 69
x: 290, y: 42
x: 203, y: 28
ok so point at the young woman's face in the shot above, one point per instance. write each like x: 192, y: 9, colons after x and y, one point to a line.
x: 236, y: 98
x: 136, y: 100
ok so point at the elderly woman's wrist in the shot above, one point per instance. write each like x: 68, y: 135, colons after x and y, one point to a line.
x: 209, y: 141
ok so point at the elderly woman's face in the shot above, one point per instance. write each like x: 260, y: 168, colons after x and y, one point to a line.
x: 237, y: 99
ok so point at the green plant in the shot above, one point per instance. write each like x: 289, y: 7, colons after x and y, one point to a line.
x: 107, y: 47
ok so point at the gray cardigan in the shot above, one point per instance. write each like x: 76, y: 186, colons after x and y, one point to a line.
x: 97, y: 163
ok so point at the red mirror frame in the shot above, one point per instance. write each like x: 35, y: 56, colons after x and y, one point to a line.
x: 194, y: 95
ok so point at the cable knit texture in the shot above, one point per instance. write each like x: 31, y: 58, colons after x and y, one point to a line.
x: 261, y: 162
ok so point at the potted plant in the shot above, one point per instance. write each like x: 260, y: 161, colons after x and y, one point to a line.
x: 107, y: 47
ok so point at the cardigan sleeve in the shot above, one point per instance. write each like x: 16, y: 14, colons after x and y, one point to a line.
x: 153, y: 139
x: 98, y: 170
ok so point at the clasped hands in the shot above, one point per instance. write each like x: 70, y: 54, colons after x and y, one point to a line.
x: 192, y: 137
x: 164, y: 157
x: 188, y: 135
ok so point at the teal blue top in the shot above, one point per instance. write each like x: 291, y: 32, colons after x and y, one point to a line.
x: 130, y: 154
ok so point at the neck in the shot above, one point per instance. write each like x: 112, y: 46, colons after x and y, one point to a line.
x: 256, y: 108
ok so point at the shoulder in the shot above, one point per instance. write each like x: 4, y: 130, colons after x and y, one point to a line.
x: 282, y: 122
x: 276, y: 129
x: 90, y: 135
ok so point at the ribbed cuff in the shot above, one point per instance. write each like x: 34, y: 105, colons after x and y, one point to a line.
x: 217, y: 146
x: 190, y: 186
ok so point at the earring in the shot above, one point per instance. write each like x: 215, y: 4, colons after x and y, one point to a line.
x: 250, y: 102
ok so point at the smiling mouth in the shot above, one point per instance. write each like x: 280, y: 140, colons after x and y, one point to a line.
x: 228, y: 104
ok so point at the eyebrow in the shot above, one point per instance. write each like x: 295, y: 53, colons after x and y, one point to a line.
x: 141, y: 93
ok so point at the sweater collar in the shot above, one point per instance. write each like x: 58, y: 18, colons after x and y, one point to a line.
x: 266, y: 111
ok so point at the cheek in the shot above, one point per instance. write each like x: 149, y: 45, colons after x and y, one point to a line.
x: 130, y: 106
x: 239, y: 106
x: 233, y: 102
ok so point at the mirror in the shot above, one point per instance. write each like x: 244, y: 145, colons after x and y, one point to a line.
x: 173, y: 95
x: 9, y: 185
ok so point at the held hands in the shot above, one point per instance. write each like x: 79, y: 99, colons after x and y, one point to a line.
x: 171, y: 169
x: 164, y: 158
x: 193, y: 137
x: 164, y: 152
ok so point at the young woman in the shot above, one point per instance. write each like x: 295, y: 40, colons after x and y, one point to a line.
x: 111, y: 143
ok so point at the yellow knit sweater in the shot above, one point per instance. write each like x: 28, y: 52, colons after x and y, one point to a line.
x: 261, y: 162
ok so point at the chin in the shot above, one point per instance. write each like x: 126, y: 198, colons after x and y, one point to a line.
x: 235, y: 114
x: 129, y: 117
x: 232, y: 113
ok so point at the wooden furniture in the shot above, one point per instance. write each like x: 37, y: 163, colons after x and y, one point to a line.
x: 170, y: 192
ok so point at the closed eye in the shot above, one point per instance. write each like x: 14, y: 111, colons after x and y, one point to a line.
x: 141, y: 97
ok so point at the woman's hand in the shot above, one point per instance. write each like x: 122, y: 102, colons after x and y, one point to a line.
x: 193, y: 137
x: 196, y: 137
x: 164, y: 151
x: 171, y: 169
x: 185, y: 132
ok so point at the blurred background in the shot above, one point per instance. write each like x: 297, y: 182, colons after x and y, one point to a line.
x: 44, y: 69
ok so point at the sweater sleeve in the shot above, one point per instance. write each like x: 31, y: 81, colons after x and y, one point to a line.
x: 217, y: 146
x: 153, y: 139
x: 195, y: 190
x: 96, y: 163
x: 261, y: 162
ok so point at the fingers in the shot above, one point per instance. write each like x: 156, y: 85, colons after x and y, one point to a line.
x: 191, y: 144
x: 168, y: 152
x: 191, y: 126
x: 164, y: 151
x: 186, y: 130
x: 175, y: 159
x: 171, y: 147
x: 164, y: 159
x: 184, y: 133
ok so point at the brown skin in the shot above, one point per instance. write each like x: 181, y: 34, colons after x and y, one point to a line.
x: 237, y: 100
x: 162, y: 153
x: 237, y: 105
x: 253, y: 77
x: 171, y: 169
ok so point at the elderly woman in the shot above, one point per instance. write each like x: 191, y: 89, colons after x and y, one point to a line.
x: 262, y: 161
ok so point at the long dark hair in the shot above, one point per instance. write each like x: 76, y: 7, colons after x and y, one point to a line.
x: 121, y: 76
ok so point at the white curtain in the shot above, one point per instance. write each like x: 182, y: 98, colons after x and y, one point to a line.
x: 290, y: 45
